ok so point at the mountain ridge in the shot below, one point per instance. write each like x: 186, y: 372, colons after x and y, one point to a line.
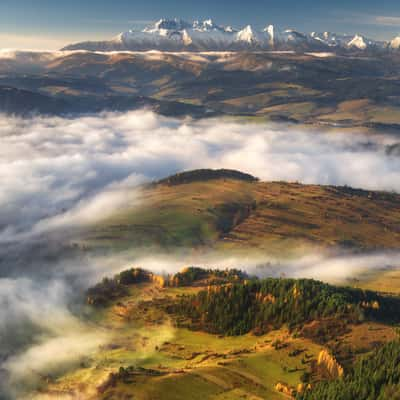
x: 178, y: 35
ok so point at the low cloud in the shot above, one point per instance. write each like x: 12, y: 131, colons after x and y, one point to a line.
x: 333, y: 266
x: 40, y: 336
x: 65, y: 170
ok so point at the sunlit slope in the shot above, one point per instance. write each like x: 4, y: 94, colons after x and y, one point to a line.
x: 234, y: 213
x: 157, y: 351
x: 175, y: 363
x: 323, y: 215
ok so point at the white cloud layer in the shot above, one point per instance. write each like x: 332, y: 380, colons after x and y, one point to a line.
x: 56, y: 171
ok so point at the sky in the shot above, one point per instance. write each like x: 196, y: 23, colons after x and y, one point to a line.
x: 49, y: 24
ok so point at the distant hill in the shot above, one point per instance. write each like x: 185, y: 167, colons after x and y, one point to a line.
x: 322, y: 88
x: 17, y: 101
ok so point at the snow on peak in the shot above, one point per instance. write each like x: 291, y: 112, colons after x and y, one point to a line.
x: 247, y: 35
x: 270, y: 30
x: 359, y: 42
x: 187, y: 40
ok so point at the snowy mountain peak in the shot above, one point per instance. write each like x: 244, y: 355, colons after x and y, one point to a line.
x: 247, y: 35
x: 270, y: 30
x: 359, y: 42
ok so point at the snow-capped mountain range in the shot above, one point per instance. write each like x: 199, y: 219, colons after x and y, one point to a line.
x: 179, y: 35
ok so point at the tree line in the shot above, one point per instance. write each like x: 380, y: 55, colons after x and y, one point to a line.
x: 261, y: 305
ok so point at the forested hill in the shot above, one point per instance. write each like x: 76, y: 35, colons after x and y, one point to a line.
x: 262, y: 305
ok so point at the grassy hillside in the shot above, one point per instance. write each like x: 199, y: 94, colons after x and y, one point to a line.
x: 228, y: 213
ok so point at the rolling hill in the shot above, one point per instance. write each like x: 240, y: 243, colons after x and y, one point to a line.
x: 227, y: 210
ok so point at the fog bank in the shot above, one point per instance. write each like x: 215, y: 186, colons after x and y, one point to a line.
x: 70, y: 168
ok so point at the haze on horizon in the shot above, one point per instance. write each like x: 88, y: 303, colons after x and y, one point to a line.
x: 50, y: 25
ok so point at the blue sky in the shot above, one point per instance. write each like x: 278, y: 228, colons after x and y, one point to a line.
x: 53, y: 23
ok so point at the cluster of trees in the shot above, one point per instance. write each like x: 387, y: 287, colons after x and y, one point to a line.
x: 191, y: 275
x: 374, y: 377
x: 373, y: 195
x: 110, y: 289
x: 329, y: 365
x: 207, y: 174
x: 259, y: 305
